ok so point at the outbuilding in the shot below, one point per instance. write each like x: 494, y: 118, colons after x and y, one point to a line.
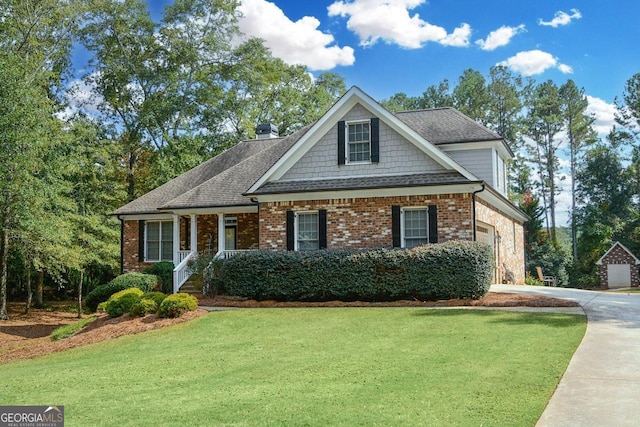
x: 618, y: 268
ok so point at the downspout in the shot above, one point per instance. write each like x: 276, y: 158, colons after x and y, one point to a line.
x: 473, y: 210
x: 121, y: 245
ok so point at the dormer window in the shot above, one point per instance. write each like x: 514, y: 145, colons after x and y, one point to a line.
x: 358, y: 142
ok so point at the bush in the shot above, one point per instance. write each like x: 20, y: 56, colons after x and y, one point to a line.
x: 144, y: 282
x: 157, y: 297
x: 443, y: 271
x: 121, y: 302
x: 177, y: 304
x: 164, y: 272
x: 143, y: 307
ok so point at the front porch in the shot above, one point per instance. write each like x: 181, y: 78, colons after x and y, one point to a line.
x: 221, y: 234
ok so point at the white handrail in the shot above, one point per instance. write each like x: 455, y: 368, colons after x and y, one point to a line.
x: 229, y: 253
x: 182, y: 272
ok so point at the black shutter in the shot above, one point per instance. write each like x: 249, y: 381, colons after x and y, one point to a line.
x: 141, y: 240
x: 291, y: 238
x: 433, y: 224
x: 375, y: 140
x: 395, y: 226
x: 341, y: 143
x: 322, y: 229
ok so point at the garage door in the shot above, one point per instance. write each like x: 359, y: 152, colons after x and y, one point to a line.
x: 619, y: 275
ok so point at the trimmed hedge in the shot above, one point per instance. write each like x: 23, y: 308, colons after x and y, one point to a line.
x: 157, y: 297
x: 448, y: 270
x: 143, y: 307
x: 121, y: 302
x: 177, y: 304
x: 144, y: 282
x: 164, y: 271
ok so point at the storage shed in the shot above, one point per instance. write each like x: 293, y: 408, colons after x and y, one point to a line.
x: 618, y: 268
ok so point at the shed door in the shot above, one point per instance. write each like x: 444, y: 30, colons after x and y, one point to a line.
x: 619, y: 275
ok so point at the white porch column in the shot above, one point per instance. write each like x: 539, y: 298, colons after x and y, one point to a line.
x: 221, y: 232
x: 194, y: 233
x: 176, y: 239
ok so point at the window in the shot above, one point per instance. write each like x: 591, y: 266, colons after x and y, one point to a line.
x: 415, y: 227
x: 501, y: 174
x: 159, y: 241
x: 358, y: 142
x: 307, y: 235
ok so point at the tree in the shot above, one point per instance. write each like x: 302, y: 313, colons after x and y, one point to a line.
x: 543, y: 124
x: 580, y: 133
x: 436, y: 96
x: 470, y: 96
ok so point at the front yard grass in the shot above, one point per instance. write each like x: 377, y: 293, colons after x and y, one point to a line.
x: 335, y: 366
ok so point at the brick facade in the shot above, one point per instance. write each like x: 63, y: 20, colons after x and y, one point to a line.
x: 509, y: 246
x: 618, y: 255
x: 366, y: 222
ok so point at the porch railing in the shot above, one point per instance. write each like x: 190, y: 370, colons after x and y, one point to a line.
x: 230, y: 253
x: 182, y: 272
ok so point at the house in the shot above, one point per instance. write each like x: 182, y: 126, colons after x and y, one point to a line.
x: 618, y: 268
x: 359, y: 177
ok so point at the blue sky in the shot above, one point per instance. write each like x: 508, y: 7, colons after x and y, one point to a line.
x: 385, y: 47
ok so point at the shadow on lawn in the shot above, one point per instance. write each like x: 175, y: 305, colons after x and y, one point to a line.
x: 556, y: 320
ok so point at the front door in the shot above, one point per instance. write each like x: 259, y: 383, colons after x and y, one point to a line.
x: 230, y: 237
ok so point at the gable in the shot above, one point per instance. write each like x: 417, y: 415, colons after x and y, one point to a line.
x: 396, y: 155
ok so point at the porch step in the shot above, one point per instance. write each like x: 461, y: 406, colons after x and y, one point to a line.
x: 192, y: 286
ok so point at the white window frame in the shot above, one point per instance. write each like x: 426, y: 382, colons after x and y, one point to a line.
x: 348, y: 144
x: 161, y: 241
x: 297, y: 229
x: 501, y: 173
x: 403, y: 238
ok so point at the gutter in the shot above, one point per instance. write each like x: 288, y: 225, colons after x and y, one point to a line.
x: 473, y: 211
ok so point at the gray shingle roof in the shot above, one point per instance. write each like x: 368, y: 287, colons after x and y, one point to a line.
x: 236, y: 169
x: 446, y: 126
x: 362, y: 183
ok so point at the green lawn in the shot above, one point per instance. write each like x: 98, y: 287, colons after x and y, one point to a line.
x: 296, y: 367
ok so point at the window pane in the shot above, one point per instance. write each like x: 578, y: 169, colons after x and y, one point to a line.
x: 359, y: 152
x: 359, y: 144
x: 415, y: 227
x: 167, y: 240
x: 308, y: 231
x: 152, y: 241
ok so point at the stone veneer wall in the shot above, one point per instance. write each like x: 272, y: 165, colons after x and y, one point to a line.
x: 618, y: 256
x: 366, y: 222
x: 511, y: 246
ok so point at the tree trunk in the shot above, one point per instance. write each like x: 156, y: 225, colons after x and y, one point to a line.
x: 29, y: 292
x: 4, y: 257
x: 80, y: 294
x: 39, y: 289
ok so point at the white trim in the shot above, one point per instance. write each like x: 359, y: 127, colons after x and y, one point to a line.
x: 193, y: 236
x: 215, y: 210
x: 174, y: 253
x: 147, y: 217
x: 637, y: 261
x: 477, y: 145
x: 375, y: 192
x: 176, y: 239
x: 221, y: 233
x: 503, y: 205
x: 355, y: 96
x: 347, y: 144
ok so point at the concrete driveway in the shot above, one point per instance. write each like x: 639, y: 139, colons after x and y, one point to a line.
x: 601, y: 386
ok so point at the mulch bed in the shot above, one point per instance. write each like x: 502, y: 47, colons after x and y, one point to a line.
x: 26, y: 336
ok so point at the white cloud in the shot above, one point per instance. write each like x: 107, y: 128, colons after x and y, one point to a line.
x: 531, y: 62
x: 299, y: 42
x: 373, y: 20
x: 604, y: 114
x: 561, y: 18
x: 500, y: 37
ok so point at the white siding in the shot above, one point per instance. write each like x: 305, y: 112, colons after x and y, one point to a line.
x: 397, y: 156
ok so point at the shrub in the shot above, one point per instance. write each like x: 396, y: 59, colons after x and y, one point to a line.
x: 177, y: 304
x: 143, y: 307
x: 164, y: 272
x: 443, y: 271
x: 145, y: 282
x: 121, y: 302
x: 157, y: 297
